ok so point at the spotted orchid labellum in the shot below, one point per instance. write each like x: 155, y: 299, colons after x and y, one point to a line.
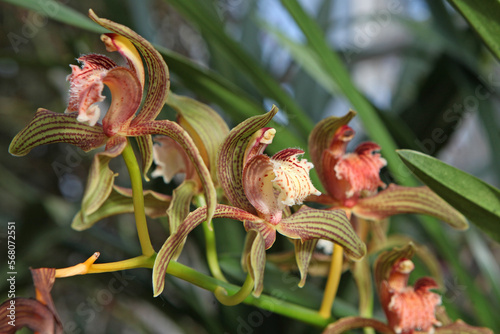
x: 261, y: 190
x: 352, y: 179
x: 80, y: 126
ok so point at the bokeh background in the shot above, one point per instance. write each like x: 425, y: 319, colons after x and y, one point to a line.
x: 417, y: 62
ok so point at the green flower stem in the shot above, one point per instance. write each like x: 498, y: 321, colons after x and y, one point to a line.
x: 223, y: 297
x: 332, y: 282
x: 264, y: 302
x: 138, y: 200
x: 212, y: 258
x: 141, y: 261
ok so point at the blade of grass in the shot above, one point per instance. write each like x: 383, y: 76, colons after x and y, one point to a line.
x: 213, y: 31
x: 331, y: 63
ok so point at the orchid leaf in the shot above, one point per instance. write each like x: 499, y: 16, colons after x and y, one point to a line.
x: 231, y: 158
x: 460, y: 327
x: 158, y: 75
x: 396, y: 200
x: 254, y: 259
x: 474, y: 198
x: 203, y: 124
x: 179, y: 208
x: 303, y: 254
x: 177, y: 133
x: 483, y: 17
x: 308, y: 223
x: 119, y: 202
x: 348, y: 323
x: 171, y: 246
x: 386, y: 260
x: 145, y: 144
x: 321, y: 137
x: 101, y: 178
x: 48, y: 127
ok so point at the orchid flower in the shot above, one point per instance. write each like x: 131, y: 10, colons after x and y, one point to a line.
x: 409, y: 309
x: 352, y: 179
x: 261, y: 190
x: 79, y: 124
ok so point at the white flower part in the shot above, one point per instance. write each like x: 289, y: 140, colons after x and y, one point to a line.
x: 292, y: 177
x: 326, y: 246
x: 169, y: 158
x: 91, y: 116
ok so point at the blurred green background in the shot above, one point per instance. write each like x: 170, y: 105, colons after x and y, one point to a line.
x: 413, y: 69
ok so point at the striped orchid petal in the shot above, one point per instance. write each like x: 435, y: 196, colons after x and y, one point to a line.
x: 145, y: 145
x: 48, y: 127
x: 101, y: 178
x: 231, y: 158
x: 271, y: 184
x: 177, y: 133
x: 158, y: 75
x: 175, y: 241
x: 119, y: 202
x: 397, y: 200
x: 303, y: 255
x: 321, y: 137
x: 254, y: 259
x: 308, y: 223
x: 203, y: 124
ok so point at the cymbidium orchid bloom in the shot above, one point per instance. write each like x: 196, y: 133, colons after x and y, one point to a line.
x: 261, y: 190
x: 79, y: 124
x: 409, y: 309
x: 351, y: 180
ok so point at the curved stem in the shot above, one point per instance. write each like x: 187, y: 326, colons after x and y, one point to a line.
x: 223, y: 297
x: 211, y: 246
x: 138, y: 200
x: 332, y: 282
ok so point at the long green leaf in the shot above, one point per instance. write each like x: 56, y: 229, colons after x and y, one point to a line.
x: 477, y: 200
x: 332, y: 64
x: 484, y: 18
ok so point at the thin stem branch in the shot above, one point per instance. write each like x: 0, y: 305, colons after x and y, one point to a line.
x: 246, y: 289
x: 138, y: 200
x: 332, y: 282
x: 211, y: 246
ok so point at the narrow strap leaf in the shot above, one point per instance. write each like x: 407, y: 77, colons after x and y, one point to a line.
x: 231, y: 158
x: 119, y: 202
x: 397, y: 200
x: 308, y: 223
x: 48, y: 127
x: 158, y: 75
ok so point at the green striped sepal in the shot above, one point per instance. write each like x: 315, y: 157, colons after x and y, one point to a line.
x: 397, y: 200
x: 48, y: 127
x: 119, y: 202
x: 253, y: 260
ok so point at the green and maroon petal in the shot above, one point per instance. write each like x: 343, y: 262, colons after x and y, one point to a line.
x: 266, y: 230
x: 303, y: 255
x: 179, y: 207
x: 158, y: 76
x: 397, y: 200
x: 253, y: 259
x: 119, y: 202
x: 203, y: 124
x: 48, y: 127
x: 171, y: 246
x: 126, y: 95
x: 101, y: 178
x: 386, y: 260
x: 177, y: 133
x: 145, y: 145
x: 231, y: 158
x: 29, y: 313
x: 460, y: 327
x: 308, y: 223
x: 349, y: 323
x: 321, y: 137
